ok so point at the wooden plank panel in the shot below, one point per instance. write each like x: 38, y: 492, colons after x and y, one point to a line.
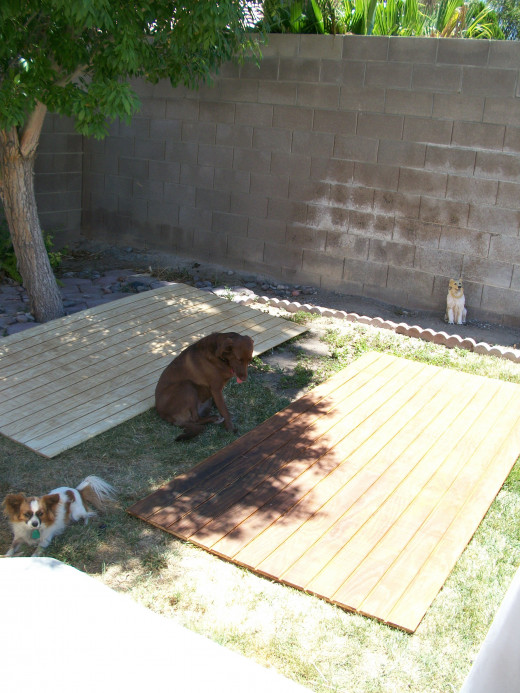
x: 70, y: 379
x: 365, y: 496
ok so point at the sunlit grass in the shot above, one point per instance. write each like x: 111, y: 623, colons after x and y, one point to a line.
x: 309, y: 640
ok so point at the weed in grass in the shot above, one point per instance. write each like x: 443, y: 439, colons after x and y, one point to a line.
x: 302, y: 317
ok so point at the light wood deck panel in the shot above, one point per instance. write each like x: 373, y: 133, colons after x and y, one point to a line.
x: 364, y: 492
x: 70, y: 379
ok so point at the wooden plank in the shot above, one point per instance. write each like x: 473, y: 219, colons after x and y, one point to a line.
x: 68, y: 380
x: 365, y: 492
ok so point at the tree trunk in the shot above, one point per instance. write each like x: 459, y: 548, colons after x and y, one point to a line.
x: 17, y: 194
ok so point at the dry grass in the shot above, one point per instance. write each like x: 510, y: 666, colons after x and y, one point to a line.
x: 307, y: 639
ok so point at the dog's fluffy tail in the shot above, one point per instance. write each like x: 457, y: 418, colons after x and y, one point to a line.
x: 96, y: 492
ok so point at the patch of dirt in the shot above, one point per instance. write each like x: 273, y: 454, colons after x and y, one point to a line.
x: 89, y: 256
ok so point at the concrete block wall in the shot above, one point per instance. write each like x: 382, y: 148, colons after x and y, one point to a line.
x: 376, y: 166
x: 58, y: 179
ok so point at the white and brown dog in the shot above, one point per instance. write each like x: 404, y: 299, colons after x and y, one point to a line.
x: 36, y: 521
x: 455, y: 303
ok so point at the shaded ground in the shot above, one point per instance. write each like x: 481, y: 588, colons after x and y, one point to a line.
x: 167, y: 266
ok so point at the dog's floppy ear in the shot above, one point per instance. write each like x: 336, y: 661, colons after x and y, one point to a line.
x: 224, y: 346
x: 50, y: 500
x: 12, y: 503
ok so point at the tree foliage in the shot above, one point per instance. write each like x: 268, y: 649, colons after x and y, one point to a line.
x: 77, y: 56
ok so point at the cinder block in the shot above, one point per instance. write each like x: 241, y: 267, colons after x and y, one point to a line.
x: 321, y: 47
x: 512, y: 139
x: 215, y: 155
x: 278, y: 256
x: 234, y: 135
x: 277, y: 93
x: 194, y: 218
x: 356, y: 148
x: 149, y: 189
x: 273, y: 139
x: 416, y: 232
x: 380, y: 125
x: 401, y: 153
x: 281, y: 45
x: 367, y: 273
x: 249, y: 205
x: 376, y: 175
x: 478, y: 135
x: 318, y: 95
x: 216, y: 112
x: 437, y: 78
x: 347, y: 245
x: 332, y: 170
x: 413, y: 103
x: 162, y: 129
x: 340, y: 123
x: 179, y: 194
x: 238, y: 181
x: 435, y: 261
x: 498, y: 274
x: 287, y: 210
x: 450, y: 159
x: 515, y: 281
x: 508, y: 195
x: 313, y: 143
x: 505, y: 249
x: 149, y: 149
x: 267, y: 230
x: 465, y: 241
x: 239, y: 247
x: 299, y: 70
x: 501, y: 110
x: 458, y: 107
x: 182, y: 152
x: 269, y: 184
x: 345, y: 72
x: 503, y: 54
x: 472, y: 190
x: 412, y: 49
x: 497, y: 166
x: 310, y: 192
x: 182, y: 109
x: 226, y: 223
x: 448, y: 212
x: 412, y: 180
x: 164, y: 211
x: 398, y: 204
x: 323, y: 264
x: 427, y: 130
x: 417, y: 284
x: 295, y: 166
x: 371, y: 225
x: 389, y: 75
x: 505, y: 222
x: 501, y: 301
x: 292, y: 117
x: 239, y: 90
x: 396, y: 254
x: 135, y: 168
x: 369, y: 99
x: 153, y: 108
x: 357, y: 47
x: 352, y: 197
x: 252, y: 160
x: 490, y: 82
x: 207, y: 245
x: 302, y: 236
x: 327, y: 218
x: 213, y: 200
x: 197, y: 176
x: 267, y: 68
x: 467, y: 52
x: 253, y: 114
x: 199, y: 132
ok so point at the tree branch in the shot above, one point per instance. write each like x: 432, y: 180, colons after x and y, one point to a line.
x: 31, y: 131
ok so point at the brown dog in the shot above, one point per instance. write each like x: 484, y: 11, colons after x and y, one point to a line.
x: 195, y: 379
